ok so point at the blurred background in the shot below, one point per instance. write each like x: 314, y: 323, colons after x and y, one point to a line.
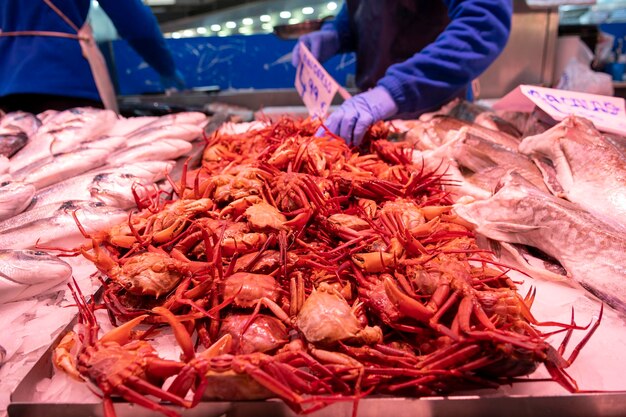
x: 224, y: 46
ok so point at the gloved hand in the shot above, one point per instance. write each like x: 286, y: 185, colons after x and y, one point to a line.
x: 323, y: 44
x: 176, y: 81
x: 357, y: 114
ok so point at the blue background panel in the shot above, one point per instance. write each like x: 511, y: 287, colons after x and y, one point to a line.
x: 233, y: 62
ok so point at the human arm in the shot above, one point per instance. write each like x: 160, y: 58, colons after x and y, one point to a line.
x: 475, y: 36
x: 334, y: 36
x: 477, y: 33
x: 138, y: 26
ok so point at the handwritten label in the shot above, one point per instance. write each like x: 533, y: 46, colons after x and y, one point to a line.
x: 316, y: 87
x: 606, y: 113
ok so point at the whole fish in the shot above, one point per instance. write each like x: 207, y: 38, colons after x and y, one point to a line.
x: 112, y: 187
x: 60, y: 167
x: 160, y: 150
x: 47, y: 115
x: 493, y: 160
x: 20, y: 121
x: 5, y: 165
x: 590, y: 170
x: 27, y: 273
x: 63, y: 133
x: 124, y: 126
x: 54, y: 226
x: 14, y: 198
x: 110, y: 143
x: 440, y: 130
x: 592, y: 251
x: 152, y: 171
x: 182, y: 118
x: 10, y: 143
x: 185, y: 132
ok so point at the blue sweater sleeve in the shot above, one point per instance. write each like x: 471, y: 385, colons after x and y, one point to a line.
x: 138, y: 26
x: 475, y: 36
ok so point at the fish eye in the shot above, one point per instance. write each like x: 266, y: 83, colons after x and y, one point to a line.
x: 67, y: 205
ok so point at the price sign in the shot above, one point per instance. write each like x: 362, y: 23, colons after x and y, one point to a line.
x: 606, y: 113
x: 316, y: 87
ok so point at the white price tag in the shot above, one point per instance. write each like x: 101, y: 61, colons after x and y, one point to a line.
x: 316, y: 87
x: 606, y: 113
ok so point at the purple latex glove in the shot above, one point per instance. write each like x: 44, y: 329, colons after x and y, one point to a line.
x: 356, y: 115
x: 323, y: 44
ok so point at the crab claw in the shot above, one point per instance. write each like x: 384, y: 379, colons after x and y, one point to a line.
x: 180, y: 332
x: 407, y: 305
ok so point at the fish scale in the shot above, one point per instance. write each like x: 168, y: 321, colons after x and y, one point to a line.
x: 590, y: 170
x: 591, y: 250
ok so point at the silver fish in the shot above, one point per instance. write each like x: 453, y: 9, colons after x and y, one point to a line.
x: 440, y: 130
x: 63, y: 133
x: 60, y: 167
x: 47, y: 115
x: 54, y: 225
x: 116, y: 189
x: 113, y: 189
x: 110, y: 143
x: 5, y: 164
x: 183, y: 118
x: 492, y: 160
x: 149, y: 134
x: 20, y: 121
x: 160, y: 150
x: 152, y: 171
x: 26, y: 273
x: 14, y: 198
x: 592, y: 251
x: 590, y: 170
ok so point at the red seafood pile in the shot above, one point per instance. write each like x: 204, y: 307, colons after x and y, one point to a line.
x: 291, y: 266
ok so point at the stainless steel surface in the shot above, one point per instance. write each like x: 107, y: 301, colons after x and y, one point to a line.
x: 484, y: 403
x: 529, y: 55
x: 250, y: 99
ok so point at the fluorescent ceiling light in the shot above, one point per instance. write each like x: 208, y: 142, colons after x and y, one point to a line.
x: 159, y: 2
x: 285, y: 14
x: 331, y: 6
x: 216, y: 28
x: 231, y: 25
x: 176, y: 35
x: 294, y: 20
x: 265, y: 18
x: 308, y: 10
x: 201, y: 30
x: 188, y: 33
x: 247, y: 21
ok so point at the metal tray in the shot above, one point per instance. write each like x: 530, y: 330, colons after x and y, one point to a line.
x: 610, y: 404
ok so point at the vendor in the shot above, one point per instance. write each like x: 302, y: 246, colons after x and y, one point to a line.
x: 412, y: 55
x: 49, y: 60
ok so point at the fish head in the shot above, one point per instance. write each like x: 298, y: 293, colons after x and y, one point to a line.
x: 116, y: 189
x: 26, y: 265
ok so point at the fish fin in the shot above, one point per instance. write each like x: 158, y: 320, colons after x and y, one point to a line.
x: 499, y: 228
x: 515, y: 254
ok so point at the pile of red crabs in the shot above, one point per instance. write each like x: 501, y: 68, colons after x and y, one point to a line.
x: 291, y: 266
